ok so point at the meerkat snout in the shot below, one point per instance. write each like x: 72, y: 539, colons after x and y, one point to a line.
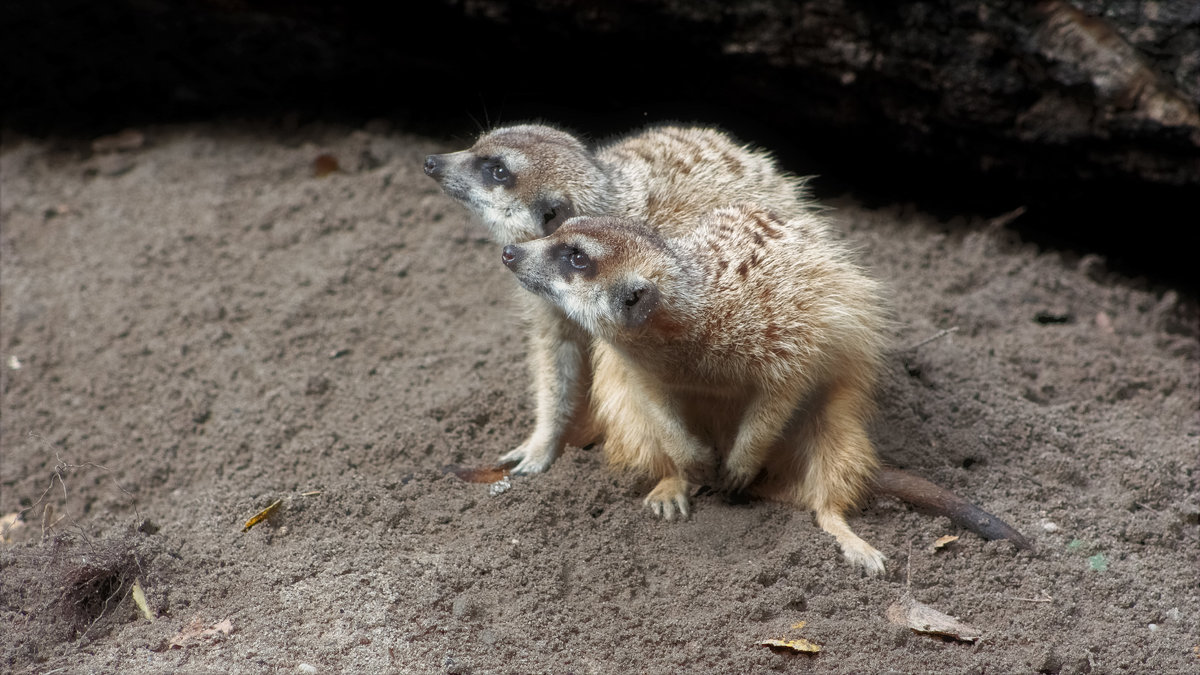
x: 433, y: 166
x: 511, y: 255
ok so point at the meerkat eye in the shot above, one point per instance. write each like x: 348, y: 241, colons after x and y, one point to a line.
x: 500, y: 173
x: 493, y: 170
x: 579, y: 260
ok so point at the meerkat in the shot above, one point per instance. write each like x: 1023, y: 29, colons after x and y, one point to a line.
x: 524, y: 181
x: 750, y: 341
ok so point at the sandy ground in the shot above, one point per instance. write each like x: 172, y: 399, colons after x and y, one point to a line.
x: 198, y: 327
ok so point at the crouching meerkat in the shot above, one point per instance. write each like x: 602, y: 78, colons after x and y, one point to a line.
x: 749, y: 341
x: 524, y: 181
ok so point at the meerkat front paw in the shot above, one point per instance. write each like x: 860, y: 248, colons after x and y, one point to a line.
x: 737, y: 476
x: 668, y: 498
x: 530, y: 458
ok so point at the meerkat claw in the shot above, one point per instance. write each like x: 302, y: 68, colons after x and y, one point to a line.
x: 737, y: 481
x: 527, y: 462
x: 681, y: 503
x: 870, y: 560
x: 667, y: 510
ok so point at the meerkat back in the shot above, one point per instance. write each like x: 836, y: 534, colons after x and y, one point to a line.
x: 681, y: 173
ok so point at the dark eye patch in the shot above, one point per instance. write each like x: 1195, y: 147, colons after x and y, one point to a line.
x: 639, y: 303
x: 553, y: 212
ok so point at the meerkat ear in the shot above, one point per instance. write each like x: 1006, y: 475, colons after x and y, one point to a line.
x: 553, y: 212
x: 638, y: 302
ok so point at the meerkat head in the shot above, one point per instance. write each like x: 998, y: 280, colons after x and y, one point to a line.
x: 522, y: 181
x: 603, y: 273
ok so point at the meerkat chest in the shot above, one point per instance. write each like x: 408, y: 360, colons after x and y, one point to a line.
x: 696, y: 366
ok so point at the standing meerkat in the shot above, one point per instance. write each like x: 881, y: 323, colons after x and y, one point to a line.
x: 748, y: 341
x: 523, y: 181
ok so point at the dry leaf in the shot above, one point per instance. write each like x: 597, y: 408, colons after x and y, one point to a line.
x: 193, y: 629
x: 57, y: 210
x: 129, y: 139
x: 262, y: 515
x: 196, y: 629
x: 799, y: 645
x: 10, y: 524
x: 139, y: 599
x: 109, y: 164
x: 925, y: 619
x: 942, y: 541
x: 324, y: 165
x: 486, y: 474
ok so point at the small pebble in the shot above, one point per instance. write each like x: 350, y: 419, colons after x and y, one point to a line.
x: 306, y: 668
x: 499, y: 487
x: 1049, y: 526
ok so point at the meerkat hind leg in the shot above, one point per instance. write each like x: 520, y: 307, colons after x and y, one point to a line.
x: 840, y: 464
x: 854, y: 548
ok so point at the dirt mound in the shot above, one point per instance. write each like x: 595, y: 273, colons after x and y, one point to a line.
x: 200, y: 325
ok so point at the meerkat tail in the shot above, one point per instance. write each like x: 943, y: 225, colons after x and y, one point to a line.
x: 936, y: 500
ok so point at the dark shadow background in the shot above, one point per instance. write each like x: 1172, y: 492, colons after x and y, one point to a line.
x: 77, y: 69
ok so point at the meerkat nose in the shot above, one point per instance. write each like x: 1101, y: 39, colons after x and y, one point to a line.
x: 511, y: 255
x: 433, y: 166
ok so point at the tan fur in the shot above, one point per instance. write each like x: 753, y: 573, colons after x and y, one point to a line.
x: 749, y: 343
x: 664, y: 176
